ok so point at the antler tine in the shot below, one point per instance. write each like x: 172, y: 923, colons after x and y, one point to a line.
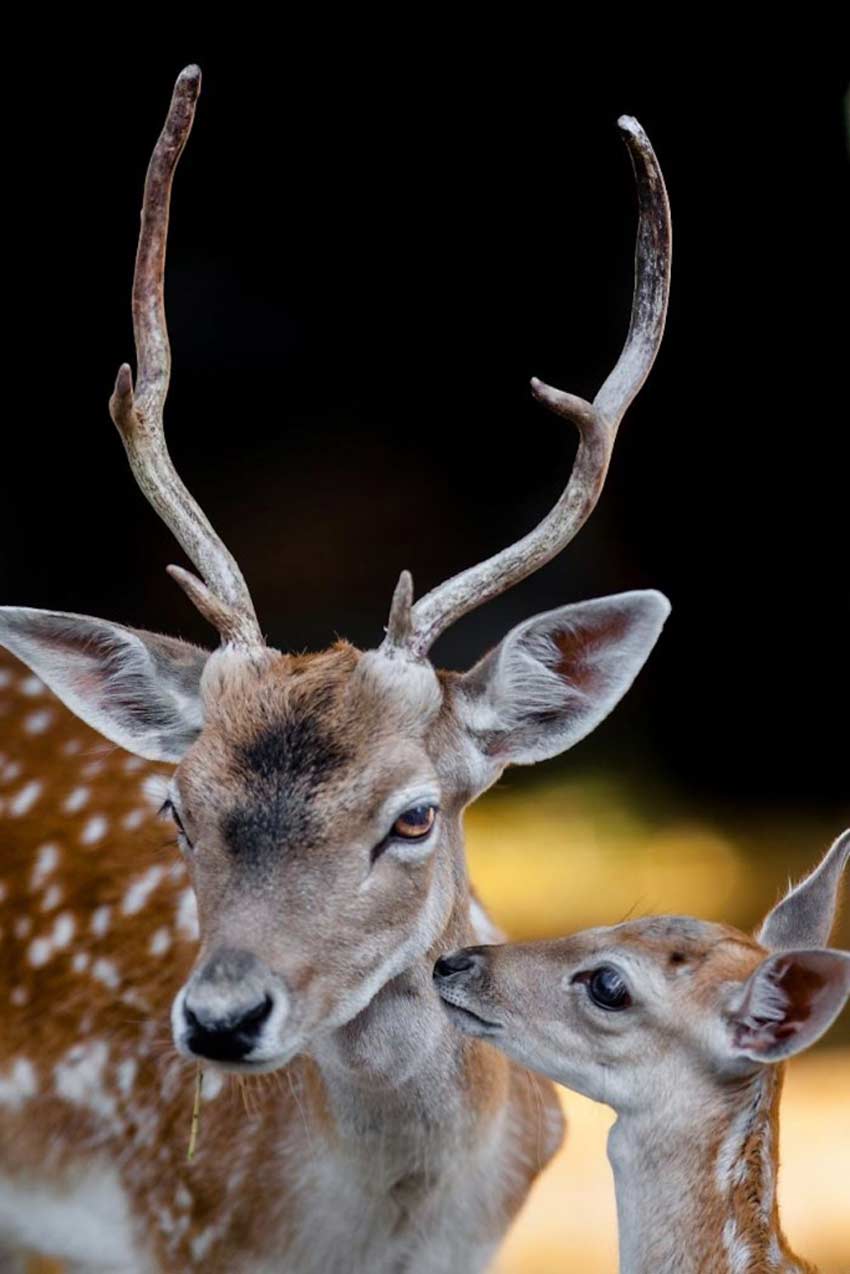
x: 414, y: 633
x: 224, y: 598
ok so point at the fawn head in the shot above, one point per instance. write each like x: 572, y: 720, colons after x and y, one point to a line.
x: 642, y: 1014
x: 318, y: 798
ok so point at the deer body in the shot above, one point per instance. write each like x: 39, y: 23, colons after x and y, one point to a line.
x: 682, y: 1027
x: 317, y: 803
x: 408, y: 1156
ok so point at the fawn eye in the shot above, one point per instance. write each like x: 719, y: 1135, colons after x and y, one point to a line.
x: 606, y: 988
x: 415, y: 822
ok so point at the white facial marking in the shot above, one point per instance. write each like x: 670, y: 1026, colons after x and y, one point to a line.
x: 18, y: 1085
x: 76, y: 800
x: 46, y: 861
x: 94, y: 830
x: 24, y: 800
x: 160, y: 942
x: 100, y: 921
x: 212, y: 1085
x: 38, y: 722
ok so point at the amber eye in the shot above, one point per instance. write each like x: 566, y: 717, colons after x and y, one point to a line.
x: 415, y: 822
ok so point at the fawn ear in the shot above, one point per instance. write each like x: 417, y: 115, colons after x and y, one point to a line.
x: 138, y: 689
x: 788, y: 1003
x: 556, y: 676
x: 805, y: 916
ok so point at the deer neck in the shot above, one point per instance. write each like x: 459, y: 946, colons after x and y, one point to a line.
x: 396, y: 1073
x: 697, y: 1195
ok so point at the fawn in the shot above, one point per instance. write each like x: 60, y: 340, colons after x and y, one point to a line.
x: 317, y: 801
x: 682, y: 1027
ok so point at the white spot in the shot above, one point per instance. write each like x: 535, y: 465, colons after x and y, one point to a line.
x: 64, y: 927
x: 5, y: 677
x: 92, y: 769
x: 80, y: 962
x: 23, y: 925
x: 38, y: 722
x: 31, y: 686
x: 76, y: 800
x: 19, y: 995
x: 135, y: 1001
x: 19, y: 1085
x: 155, y: 789
x: 187, y: 915
x: 182, y: 1197
x: 140, y: 890
x: 134, y: 819
x: 79, y: 1078
x: 100, y: 920
x: 132, y: 764
x: 45, y: 863
x: 26, y: 798
x: 201, y: 1243
x: 106, y: 972
x: 52, y: 897
x: 40, y: 951
x: 212, y: 1085
x: 125, y: 1073
x: 72, y: 747
x: 10, y: 772
x: 94, y: 830
x: 160, y: 942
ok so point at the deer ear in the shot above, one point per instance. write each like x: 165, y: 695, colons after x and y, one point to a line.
x: 555, y: 677
x: 788, y: 1003
x: 138, y: 689
x: 805, y: 916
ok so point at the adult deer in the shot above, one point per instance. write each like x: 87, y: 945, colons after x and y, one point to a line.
x: 682, y: 1027
x: 318, y: 803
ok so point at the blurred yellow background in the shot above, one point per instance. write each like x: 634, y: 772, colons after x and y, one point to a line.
x: 552, y: 856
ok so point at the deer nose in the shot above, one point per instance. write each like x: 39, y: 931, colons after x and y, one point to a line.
x: 467, y: 963
x: 227, y: 1003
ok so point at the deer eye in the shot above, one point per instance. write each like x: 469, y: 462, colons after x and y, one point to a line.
x: 168, y: 808
x: 415, y: 823
x: 606, y: 988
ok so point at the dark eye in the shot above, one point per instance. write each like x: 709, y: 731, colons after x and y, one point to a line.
x: 606, y: 988
x: 167, y: 808
x: 415, y: 822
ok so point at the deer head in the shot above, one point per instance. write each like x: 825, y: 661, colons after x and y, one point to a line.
x: 318, y: 798
x: 652, y: 1015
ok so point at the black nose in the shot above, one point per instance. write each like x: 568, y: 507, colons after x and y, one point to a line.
x: 451, y: 966
x: 227, y: 1039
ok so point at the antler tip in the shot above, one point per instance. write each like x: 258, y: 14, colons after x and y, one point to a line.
x: 124, y: 381
x: 190, y: 77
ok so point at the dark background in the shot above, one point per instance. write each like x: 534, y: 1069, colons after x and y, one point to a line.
x: 369, y: 257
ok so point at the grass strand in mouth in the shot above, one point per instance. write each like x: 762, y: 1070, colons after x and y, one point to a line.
x: 196, y: 1115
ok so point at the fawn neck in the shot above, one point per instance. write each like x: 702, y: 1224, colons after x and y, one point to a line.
x: 696, y: 1192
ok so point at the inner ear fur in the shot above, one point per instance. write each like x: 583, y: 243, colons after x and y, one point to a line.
x: 556, y: 676
x: 140, y: 690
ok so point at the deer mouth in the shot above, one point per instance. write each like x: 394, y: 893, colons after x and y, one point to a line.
x: 470, y: 1022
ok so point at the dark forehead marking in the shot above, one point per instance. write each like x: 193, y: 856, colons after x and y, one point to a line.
x: 283, y: 767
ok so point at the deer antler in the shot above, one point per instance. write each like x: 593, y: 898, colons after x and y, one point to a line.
x: 412, y: 629
x: 223, y: 596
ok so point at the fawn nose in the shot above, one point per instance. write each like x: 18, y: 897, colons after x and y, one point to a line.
x: 460, y: 964
x: 227, y: 1003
